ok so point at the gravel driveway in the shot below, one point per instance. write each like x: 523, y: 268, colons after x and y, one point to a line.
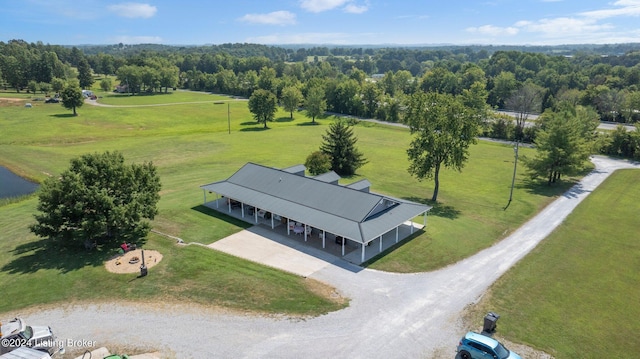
x: 390, y: 316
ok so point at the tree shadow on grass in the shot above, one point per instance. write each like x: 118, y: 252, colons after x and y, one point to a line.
x: 284, y: 119
x: 47, y: 254
x: 255, y: 129
x: 541, y: 188
x: 63, y: 115
x: 219, y: 215
x: 248, y: 123
x: 438, y: 209
x: 309, y: 123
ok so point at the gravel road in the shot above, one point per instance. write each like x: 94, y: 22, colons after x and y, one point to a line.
x: 390, y: 315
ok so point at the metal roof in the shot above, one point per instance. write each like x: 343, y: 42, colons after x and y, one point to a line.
x: 344, y: 211
x: 329, y: 177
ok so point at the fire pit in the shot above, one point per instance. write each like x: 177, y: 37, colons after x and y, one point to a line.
x: 134, y: 260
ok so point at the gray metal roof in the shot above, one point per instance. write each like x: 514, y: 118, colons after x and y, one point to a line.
x: 337, y: 209
x: 362, y: 185
x: 329, y: 177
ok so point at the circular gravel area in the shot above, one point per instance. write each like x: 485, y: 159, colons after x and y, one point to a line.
x: 127, y: 264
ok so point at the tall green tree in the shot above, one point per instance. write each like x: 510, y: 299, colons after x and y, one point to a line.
x: 315, y: 103
x: 318, y: 163
x: 72, y: 97
x: 291, y: 98
x: 564, y: 143
x: 98, y: 199
x: 84, y: 74
x: 263, y: 105
x: 340, y: 143
x: 444, y: 128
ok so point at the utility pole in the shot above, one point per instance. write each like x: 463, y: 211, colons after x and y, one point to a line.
x: 513, y: 180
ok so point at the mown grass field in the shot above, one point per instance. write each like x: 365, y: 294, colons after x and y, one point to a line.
x: 191, y: 146
x: 576, y: 295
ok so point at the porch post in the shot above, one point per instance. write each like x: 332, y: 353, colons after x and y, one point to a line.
x: 380, y: 243
x: 411, y: 226
x: 229, y: 202
x: 272, y: 226
x: 242, y: 208
x: 397, y: 227
x: 255, y: 213
x: 217, y: 203
x: 343, y: 240
x: 362, y: 255
x: 288, y: 230
x: 305, y: 232
x: 424, y: 220
x: 323, y: 238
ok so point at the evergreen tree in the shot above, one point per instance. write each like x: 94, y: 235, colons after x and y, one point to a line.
x: 340, y: 143
x: 84, y: 74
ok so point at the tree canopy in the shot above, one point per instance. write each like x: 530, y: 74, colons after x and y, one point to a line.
x: 263, y: 105
x: 315, y: 103
x: 445, y: 129
x: 340, y: 143
x: 72, y: 97
x: 98, y: 199
x: 564, y: 143
x: 291, y: 98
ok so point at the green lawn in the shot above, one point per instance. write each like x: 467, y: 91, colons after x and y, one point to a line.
x: 191, y: 146
x: 577, y: 294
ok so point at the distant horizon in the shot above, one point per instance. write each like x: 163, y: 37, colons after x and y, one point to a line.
x: 407, y: 23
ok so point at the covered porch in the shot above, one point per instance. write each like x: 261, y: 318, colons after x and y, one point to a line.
x: 314, y: 238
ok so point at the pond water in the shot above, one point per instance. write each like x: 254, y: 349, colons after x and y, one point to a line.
x: 12, y: 185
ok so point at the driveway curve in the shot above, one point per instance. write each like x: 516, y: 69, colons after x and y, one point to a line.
x: 390, y: 316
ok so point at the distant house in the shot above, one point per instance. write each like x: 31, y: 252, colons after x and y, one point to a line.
x: 121, y: 88
x: 351, y: 212
x: 87, y: 93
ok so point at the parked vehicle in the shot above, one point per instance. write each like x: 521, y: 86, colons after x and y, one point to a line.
x: 52, y: 100
x: 16, y: 334
x: 478, y: 346
x: 26, y: 353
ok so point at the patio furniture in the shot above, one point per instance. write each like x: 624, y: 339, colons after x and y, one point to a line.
x: 298, y: 230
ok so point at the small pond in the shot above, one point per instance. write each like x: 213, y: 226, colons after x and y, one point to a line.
x: 12, y: 185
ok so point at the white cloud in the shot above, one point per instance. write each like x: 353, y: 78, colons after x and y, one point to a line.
x: 272, y: 18
x: 137, y: 39
x: 324, y: 5
x: 563, y: 26
x: 133, y: 10
x: 355, y: 9
x: 494, y: 30
x: 321, y: 5
x: 625, y: 8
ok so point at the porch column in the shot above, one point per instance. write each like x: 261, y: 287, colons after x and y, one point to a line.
x: 411, y: 226
x: 217, y: 203
x: 424, y: 220
x: 362, y: 255
x: 242, y: 208
x: 288, y: 230
x: 255, y: 213
x: 380, y: 243
x: 305, y: 232
x: 323, y: 238
x: 229, y: 202
x: 272, y: 226
x: 397, y: 227
x: 343, y: 240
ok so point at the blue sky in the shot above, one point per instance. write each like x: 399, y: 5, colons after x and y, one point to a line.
x: 343, y: 22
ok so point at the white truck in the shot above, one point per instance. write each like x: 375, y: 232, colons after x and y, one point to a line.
x: 17, y: 334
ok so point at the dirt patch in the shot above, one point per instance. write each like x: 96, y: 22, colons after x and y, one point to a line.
x: 12, y: 101
x: 127, y: 263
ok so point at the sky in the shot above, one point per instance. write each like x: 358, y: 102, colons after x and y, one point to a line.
x: 321, y: 22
